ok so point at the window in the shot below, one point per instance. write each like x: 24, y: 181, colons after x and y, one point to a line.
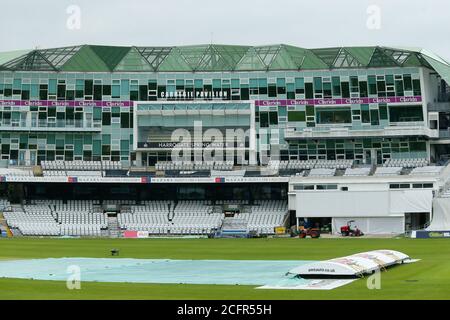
x: 273, y: 118
x: 407, y: 82
x: 422, y: 185
x: 415, y: 146
x: 345, y: 90
x: 381, y: 87
x: 399, y: 186
x: 309, y: 91
x: 374, y: 117
x: 88, y: 87
x: 296, y: 116
x: 372, y: 85
x: 106, y: 118
x: 326, y: 187
x: 333, y: 116
x: 383, y: 111
x: 115, y: 91
x: 124, y: 120
x: 363, y: 89
x: 272, y: 90
x: 263, y: 119
x: 399, y: 88
x: 317, y: 85
x: 405, y: 113
x: 336, y: 83
x: 365, y: 113
x: 416, y: 87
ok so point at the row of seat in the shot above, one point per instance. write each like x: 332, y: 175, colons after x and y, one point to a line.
x: 139, y: 222
x: 153, y: 207
x: 54, y: 218
x: 357, y: 172
x: 291, y: 165
x: 79, y: 218
x: 406, y: 163
x: 81, y: 165
x: 309, y: 164
x: 427, y: 170
x: 269, y: 206
x: 191, y: 165
x: 77, y: 229
x: 16, y: 172
x: 192, y: 207
x: 388, y: 171
x: 322, y: 172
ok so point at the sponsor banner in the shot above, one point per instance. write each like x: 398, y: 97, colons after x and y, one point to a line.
x: 142, y: 234
x: 86, y: 179
x: 182, y: 180
x: 130, y: 234
x: 145, y: 179
x: 221, y: 180
x: 135, y: 234
x: 274, y: 102
x: 341, y: 101
x: 171, y: 144
x: 62, y: 179
x: 255, y: 179
x: 54, y: 103
x: 423, y: 234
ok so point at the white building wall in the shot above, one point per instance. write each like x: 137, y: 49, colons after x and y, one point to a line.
x: 342, y: 203
x: 371, y: 225
x: 375, y: 203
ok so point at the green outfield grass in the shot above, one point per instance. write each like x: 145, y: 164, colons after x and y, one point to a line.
x: 426, y: 279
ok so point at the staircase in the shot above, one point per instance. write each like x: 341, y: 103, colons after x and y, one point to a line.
x: 171, y: 212
x: 113, y: 227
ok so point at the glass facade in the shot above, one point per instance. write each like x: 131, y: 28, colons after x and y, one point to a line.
x: 89, y: 116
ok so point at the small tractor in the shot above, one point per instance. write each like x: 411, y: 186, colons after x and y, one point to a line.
x: 312, y: 232
x: 348, y: 231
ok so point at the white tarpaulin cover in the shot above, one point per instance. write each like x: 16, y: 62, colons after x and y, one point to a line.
x: 411, y: 201
x: 342, y: 204
x: 354, y: 265
x: 373, y: 225
x: 441, y: 215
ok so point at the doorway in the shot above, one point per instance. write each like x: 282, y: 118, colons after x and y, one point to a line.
x: 416, y: 220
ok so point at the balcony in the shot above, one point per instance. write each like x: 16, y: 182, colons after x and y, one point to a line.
x: 397, y: 130
x: 51, y: 126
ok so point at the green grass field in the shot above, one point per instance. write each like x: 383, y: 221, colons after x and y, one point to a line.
x: 426, y: 279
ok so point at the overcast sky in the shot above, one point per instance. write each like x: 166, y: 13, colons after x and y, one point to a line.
x: 28, y: 24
